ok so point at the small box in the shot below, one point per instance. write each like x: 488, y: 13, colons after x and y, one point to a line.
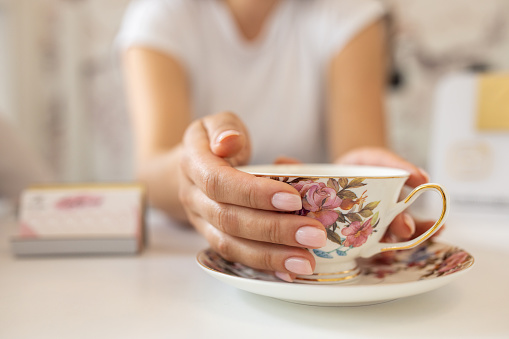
x: 470, y: 139
x: 81, y: 219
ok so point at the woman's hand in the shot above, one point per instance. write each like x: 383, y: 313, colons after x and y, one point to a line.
x: 403, y: 227
x: 240, y: 214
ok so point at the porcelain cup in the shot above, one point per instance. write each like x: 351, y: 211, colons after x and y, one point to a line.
x: 356, y: 204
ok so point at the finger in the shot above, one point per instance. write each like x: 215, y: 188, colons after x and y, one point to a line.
x: 390, y: 237
x: 225, y: 184
x: 422, y: 226
x: 403, y: 226
x: 399, y: 230
x: 222, y: 183
x: 259, y: 225
x: 285, y: 276
x: 258, y: 255
x: 284, y: 160
x: 384, y: 258
x: 382, y: 157
x: 231, y: 186
x: 228, y: 137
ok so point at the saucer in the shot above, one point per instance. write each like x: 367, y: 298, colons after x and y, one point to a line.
x: 410, y: 272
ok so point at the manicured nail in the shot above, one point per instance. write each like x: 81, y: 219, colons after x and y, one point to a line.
x: 298, y: 266
x: 410, y: 223
x: 424, y: 174
x: 311, y: 236
x: 287, y: 201
x: 283, y: 276
x: 226, y: 134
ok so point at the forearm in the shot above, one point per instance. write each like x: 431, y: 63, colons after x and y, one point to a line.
x: 159, y: 101
x: 356, y: 92
x: 362, y: 123
x: 160, y: 173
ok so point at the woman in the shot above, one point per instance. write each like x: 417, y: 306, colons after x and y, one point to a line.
x: 305, y: 78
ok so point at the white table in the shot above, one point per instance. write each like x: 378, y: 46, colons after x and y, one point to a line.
x: 164, y: 294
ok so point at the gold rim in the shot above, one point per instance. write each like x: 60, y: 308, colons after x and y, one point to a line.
x: 336, y: 273
x: 324, y: 176
x: 329, y: 279
x: 262, y: 170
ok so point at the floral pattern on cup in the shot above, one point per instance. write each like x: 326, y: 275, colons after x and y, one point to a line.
x: 342, y: 206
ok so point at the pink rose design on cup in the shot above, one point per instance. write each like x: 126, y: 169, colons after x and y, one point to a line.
x: 319, y: 200
x: 357, y: 234
x: 341, y: 206
x: 354, y: 206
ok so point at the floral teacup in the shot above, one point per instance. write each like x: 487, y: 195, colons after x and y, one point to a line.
x: 356, y: 204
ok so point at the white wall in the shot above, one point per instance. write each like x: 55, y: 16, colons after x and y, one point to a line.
x: 59, y: 85
x: 22, y: 86
x: 6, y: 102
x: 3, y: 62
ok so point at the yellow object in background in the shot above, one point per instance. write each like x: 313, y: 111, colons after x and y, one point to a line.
x: 493, y: 102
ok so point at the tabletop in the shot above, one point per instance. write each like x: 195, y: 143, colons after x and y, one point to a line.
x: 163, y: 293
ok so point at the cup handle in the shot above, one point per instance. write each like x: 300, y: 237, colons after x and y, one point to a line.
x: 400, y: 207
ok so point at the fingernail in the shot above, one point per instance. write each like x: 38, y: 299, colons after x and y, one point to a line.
x: 311, y: 237
x: 287, y: 201
x: 283, y: 276
x: 424, y: 173
x: 226, y: 134
x: 410, y: 223
x: 298, y: 266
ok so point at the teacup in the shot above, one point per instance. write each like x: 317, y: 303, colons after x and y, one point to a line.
x: 356, y: 204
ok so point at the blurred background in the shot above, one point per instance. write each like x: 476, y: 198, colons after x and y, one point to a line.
x: 61, y: 87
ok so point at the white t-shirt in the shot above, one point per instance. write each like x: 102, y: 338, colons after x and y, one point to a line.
x: 276, y: 84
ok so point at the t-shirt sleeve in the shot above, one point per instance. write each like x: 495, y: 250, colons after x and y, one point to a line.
x: 341, y: 20
x: 156, y: 24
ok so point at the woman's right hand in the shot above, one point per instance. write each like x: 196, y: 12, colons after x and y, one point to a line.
x: 238, y: 213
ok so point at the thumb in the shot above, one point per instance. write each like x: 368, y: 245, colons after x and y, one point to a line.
x: 228, y: 137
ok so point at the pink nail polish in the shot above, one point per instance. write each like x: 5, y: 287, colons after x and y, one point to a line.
x: 226, y: 134
x: 283, y: 276
x: 287, y: 201
x: 311, y: 236
x: 298, y: 266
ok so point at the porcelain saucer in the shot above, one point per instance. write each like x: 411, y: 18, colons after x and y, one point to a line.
x: 424, y: 268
